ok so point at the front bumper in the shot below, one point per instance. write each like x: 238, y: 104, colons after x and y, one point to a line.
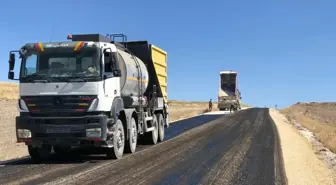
x: 226, y: 104
x: 62, y: 131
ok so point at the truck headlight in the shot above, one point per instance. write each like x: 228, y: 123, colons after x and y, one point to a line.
x: 93, y: 132
x: 24, y: 133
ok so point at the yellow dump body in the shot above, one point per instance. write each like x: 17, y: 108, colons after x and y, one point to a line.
x: 155, y: 60
x: 159, y: 58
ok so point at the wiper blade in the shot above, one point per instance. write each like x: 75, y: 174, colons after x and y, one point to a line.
x: 32, y: 76
x: 77, y: 79
x: 43, y: 81
x: 66, y: 79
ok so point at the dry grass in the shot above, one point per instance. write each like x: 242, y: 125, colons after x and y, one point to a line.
x: 319, y: 118
x: 184, y: 109
x: 8, y: 91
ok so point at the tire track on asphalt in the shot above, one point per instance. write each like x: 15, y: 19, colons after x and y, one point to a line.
x: 137, y: 163
x: 260, y: 170
x: 224, y: 171
x: 221, y: 144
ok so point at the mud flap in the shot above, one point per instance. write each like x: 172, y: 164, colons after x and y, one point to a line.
x: 117, y: 106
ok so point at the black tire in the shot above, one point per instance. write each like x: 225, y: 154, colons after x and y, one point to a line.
x: 131, y: 143
x: 117, y: 151
x: 39, y: 154
x: 152, y: 136
x: 161, y: 127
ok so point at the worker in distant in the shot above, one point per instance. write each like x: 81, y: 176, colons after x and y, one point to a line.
x: 210, y: 105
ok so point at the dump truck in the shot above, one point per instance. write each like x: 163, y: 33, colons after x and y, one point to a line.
x: 92, y: 91
x: 229, y: 95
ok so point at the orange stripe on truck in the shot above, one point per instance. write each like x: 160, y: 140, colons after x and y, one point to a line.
x: 39, y: 46
x: 79, y: 45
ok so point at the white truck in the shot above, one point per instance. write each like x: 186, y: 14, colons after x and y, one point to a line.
x: 228, y: 94
x: 91, y: 91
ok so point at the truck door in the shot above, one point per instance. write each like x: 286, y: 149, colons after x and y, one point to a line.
x: 111, y: 81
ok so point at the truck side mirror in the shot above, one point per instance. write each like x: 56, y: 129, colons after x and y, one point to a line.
x: 11, y: 61
x: 11, y: 75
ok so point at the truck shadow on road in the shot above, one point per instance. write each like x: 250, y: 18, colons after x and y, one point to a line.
x: 97, y: 155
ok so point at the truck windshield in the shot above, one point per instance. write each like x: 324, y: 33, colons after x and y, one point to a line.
x: 61, y: 66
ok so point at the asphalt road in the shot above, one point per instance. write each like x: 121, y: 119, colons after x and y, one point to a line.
x: 240, y: 148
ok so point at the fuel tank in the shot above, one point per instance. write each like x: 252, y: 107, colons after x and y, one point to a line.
x: 131, y: 67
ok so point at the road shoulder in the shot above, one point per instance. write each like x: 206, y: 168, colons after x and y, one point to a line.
x: 301, y: 164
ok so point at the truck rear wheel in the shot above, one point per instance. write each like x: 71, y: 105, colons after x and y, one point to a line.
x: 117, y: 151
x: 131, y: 143
x: 152, y: 136
x: 161, y: 127
x: 39, y: 154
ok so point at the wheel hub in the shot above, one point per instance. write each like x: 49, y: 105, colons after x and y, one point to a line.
x: 134, y: 137
x: 120, y: 139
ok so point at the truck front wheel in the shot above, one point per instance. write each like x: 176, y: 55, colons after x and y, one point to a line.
x: 117, y: 151
x: 38, y: 154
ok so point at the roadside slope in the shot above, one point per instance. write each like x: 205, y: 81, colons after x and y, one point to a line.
x: 319, y: 118
x: 301, y: 164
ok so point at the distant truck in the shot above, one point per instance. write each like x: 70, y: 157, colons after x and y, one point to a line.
x: 90, y: 92
x: 228, y: 94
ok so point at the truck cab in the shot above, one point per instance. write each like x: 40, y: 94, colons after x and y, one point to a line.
x: 70, y: 95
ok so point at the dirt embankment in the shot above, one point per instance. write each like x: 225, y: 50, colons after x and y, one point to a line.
x: 317, y: 123
x: 319, y: 118
x: 301, y: 164
x: 9, y: 149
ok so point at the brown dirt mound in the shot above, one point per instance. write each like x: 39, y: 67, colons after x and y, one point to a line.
x: 319, y: 118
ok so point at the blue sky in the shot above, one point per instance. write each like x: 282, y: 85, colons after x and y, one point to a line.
x: 284, y: 51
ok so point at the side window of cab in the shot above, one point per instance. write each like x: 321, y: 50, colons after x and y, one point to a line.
x: 31, y: 65
x: 107, y: 62
x: 111, y: 66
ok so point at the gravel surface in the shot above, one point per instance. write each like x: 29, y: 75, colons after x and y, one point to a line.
x: 301, y: 164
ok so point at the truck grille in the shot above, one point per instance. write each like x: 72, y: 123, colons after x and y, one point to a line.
x: 50, y: 106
